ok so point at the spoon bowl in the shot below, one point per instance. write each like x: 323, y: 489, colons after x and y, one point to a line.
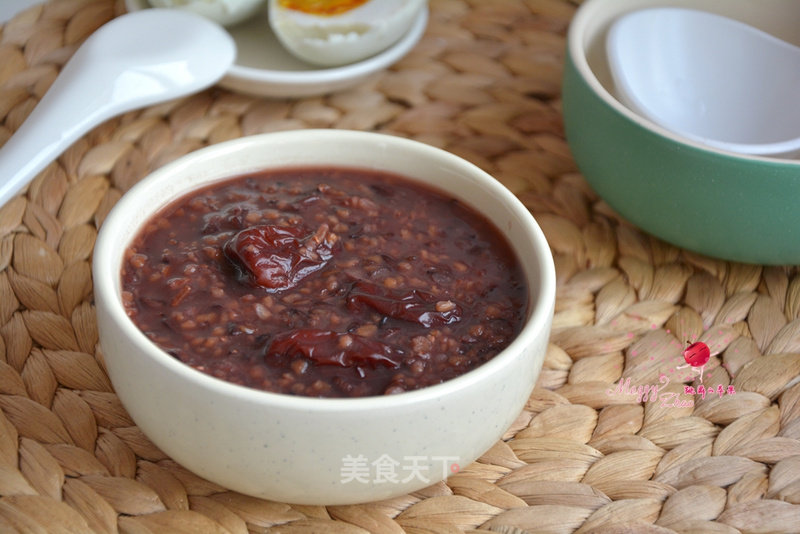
x: 133, y: 61
x: 710, y: 78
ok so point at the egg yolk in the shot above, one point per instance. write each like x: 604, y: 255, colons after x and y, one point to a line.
x: 322, y: 7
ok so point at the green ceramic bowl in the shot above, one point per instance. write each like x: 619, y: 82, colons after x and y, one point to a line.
x: 721, y: 204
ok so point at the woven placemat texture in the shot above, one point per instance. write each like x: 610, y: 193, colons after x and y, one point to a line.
x: 588, y: 454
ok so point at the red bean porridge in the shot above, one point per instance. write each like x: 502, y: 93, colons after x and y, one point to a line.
x: 325, y: 282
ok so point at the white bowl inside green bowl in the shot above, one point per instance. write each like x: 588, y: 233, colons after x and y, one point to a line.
x: 717, y: 203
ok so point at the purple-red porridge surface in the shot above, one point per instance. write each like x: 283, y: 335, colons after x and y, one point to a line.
x: 325, y: 282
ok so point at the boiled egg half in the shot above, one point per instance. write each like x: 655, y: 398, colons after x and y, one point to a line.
x: 225, y: 12
x: 336, y: 32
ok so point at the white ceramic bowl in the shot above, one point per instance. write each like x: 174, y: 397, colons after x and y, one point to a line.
x: 298, y: 449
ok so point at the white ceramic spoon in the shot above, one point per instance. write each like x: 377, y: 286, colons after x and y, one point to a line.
x: 133, y: 61
x: 709, y: 78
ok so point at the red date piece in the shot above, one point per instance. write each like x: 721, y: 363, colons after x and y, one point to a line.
x: 278, y: 257
x: 324, y: 347
x: 415, y: 306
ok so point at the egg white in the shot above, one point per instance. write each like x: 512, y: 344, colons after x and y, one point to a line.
x: 225, y: 12
x: 344, y: 38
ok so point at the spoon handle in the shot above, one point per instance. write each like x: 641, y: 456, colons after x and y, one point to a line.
x: 71, y: 107
x: 133, y: 61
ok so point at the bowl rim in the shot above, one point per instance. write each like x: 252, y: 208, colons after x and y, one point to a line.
x: 576, y: 45
x: 108, y: 251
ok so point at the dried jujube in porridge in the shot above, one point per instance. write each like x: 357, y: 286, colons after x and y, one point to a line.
x: 325, y: 282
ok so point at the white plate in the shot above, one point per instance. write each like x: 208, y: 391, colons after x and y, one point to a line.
x: 264, y: 67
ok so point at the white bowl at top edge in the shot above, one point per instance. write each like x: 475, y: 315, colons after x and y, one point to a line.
x: 293, y: 449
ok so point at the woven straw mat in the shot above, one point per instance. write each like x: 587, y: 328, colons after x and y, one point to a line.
x: 484, y: 83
